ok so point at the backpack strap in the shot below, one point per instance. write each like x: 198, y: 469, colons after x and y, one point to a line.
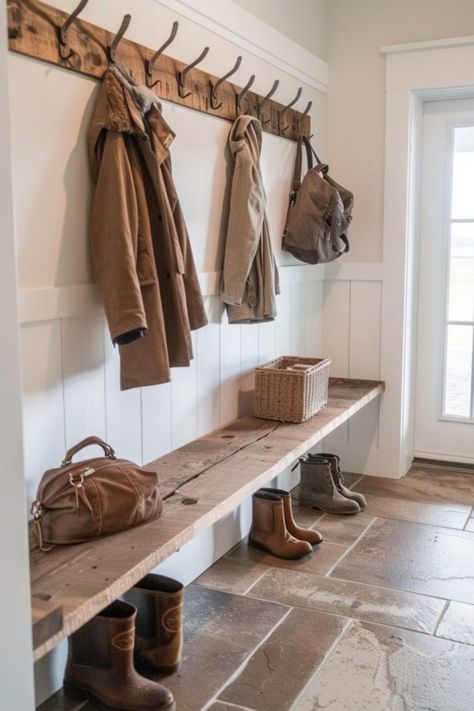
x: 310, y: 152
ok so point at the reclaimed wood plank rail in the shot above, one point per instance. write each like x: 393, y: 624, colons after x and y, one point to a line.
x: 201, y: 482
x: 33, y: 31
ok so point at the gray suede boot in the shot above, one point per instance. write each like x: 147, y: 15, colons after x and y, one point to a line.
x: 317, y: 489
x: 338, y: 477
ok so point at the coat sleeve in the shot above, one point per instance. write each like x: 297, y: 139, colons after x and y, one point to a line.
x: 114, y: 237
x: 244, y: 229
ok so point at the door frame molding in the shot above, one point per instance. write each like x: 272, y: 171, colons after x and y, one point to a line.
x: 415, y: 73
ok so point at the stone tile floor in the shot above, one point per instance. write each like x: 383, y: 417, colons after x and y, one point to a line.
x: 379, y: 618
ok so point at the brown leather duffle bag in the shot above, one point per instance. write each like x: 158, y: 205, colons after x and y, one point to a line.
x: 319, y: 212
x: 94, y: 497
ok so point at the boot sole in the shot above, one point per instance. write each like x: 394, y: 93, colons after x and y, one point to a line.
x: 307, y: 505
x: 81, y: 695
x: 261, y: 547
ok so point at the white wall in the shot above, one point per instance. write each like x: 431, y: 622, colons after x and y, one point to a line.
x: 355, y: 151
x: 69, y: 367
x: 356, y: 31
x: 16, y: 679
x: 302, y: 20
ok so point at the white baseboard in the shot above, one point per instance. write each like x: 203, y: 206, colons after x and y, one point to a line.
x: 445, y: 457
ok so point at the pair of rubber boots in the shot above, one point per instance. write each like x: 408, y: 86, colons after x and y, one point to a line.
x: 322, y: 486
x: 274, y: 529
x: 143, y: 632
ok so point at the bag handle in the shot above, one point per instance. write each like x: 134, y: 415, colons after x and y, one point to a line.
x: 108, y: 451
x: 310, y: 152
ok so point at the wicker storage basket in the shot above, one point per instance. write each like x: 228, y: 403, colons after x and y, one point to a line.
x: 291, y: 389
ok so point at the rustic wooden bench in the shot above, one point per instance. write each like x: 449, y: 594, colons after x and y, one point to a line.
x: 201, y: 482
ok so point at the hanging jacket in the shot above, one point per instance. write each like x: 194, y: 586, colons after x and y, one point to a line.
x: 249, y: 275
x: 141, y: 253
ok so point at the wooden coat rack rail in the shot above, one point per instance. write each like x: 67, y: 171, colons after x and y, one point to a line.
x: 34, y: 30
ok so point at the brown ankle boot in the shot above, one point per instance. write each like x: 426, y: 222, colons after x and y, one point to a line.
x: 159, y: 628
x: 100, y: 664
x: 302, y: 534
x: 269, y: 532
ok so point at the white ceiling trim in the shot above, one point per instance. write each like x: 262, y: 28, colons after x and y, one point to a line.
x: 232, y: 22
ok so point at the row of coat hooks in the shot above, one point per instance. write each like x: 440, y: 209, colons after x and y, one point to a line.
x: 66, y: 53
x: 214, y: 101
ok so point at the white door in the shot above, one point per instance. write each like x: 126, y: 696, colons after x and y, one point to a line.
x: 444, y: 423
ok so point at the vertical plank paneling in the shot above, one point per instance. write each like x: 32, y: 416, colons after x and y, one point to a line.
x: 207, y: 363
x: 183, y: 402
x: 313, y: 319
x: 156, y: 421
x: 365, y: 313
x: 266, y: 341
x: 123, y: 414
x: 230, y: 335
x: 43, y: 404
x: 283, y: 322
x: 297, y: 318
x: 82, y: 340
x: 336, y: 324
x: 365, y: 326
x: 249, y: 358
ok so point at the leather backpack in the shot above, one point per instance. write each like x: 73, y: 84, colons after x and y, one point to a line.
x: 94, y: 497
x: 319, y: 212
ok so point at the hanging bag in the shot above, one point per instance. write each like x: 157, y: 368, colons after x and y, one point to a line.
x: 96, y: 497
x: 319, y: 212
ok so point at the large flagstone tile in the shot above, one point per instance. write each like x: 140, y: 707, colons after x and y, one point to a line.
x: 448, y: 515
x: 221, y: 630
x: 410, y: 556
x: 423, y: 484
x: 222, y: 706
x: 470, y: 525
x: 320, y: 561
x: 458, y: 623
x: 278, y: 671
x: 340, y: 597
x: 232, y: 575
x: 344, y: 530
x: 375, y: 668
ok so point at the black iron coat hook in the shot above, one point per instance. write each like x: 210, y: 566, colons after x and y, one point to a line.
x: 305, y: 113
x: 64, y: 49
x: 266, y: 98
x: 151, y: 62
x: 116, y: 41
x: 285, y: 109
x: 240, y: 97
x: 182, y: 74
x: 215, y: 87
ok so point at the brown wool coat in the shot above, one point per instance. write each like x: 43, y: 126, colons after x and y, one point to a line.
x: 141, y: 253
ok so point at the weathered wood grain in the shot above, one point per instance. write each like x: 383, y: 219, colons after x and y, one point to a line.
x: 204, y: 481
x: 47, y: 619
x: 33, y: 31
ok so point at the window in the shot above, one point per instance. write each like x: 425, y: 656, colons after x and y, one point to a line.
x: 458, y: 388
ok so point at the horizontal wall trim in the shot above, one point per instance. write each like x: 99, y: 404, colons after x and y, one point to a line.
x: 428, y: 44
x: 49, y: 303
x: 247, y: 31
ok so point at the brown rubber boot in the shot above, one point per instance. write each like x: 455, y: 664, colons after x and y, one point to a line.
x: 159, y: 628
x: 338, y: 478
x: 302, y: 534
x: 100, y: 665
x: 318, y: 490
x: 269, y: 532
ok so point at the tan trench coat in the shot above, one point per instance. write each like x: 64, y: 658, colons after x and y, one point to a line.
x: 141, y: 253
x: 250, y: 275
